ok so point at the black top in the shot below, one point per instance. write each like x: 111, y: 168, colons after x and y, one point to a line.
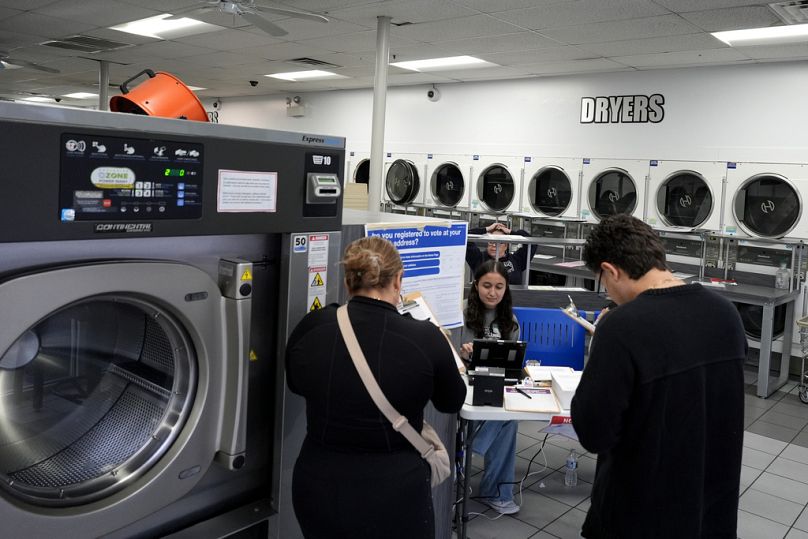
x: 515, y: 262
x: 661, y: 403
x: 411, y: 360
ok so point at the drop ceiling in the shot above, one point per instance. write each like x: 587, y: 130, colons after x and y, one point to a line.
x: 527, y: 38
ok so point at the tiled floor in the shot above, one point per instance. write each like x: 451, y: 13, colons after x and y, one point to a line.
x: 774, y: 479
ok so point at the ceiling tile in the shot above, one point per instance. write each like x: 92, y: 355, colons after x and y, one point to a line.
x: 680, y: 6
x: 717, y: 20
x: 43, y: 26
x: 227, y: 40
x: 475, y: 26
x: 487, y: 6
x: 413, y: 11
x: 709, y: 56
x: 576, y: 66
x: 285, y: 51
x: 554, y: 54
x: 686, y: 42
x: 772, y: 52
x: 299, y: 29
x: 582, y: 12
x: 522, y: 41
x: 356, y: 42
x: 100, y: 12
x: 621, y: 30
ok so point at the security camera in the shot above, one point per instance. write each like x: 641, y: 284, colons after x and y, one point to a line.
x: 296, y: 99
x: 253, y: 83
x: 57, y: 99
x: 433, y: 94
x: 217, y: 104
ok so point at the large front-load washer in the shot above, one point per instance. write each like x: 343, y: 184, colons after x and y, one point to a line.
x: 764, y: 200
x: 552, y: 187
x: 145, y: 295
x: 612, y: 186
x: 497, y: 186
x: 685, y: 194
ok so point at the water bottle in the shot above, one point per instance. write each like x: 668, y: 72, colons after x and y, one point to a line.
x: 571, y: 475
x: 782, y: 279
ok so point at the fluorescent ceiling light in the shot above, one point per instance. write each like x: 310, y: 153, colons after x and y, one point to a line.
x: 764, y: 36
x: 162, y: 27
x: 80, y: 95
x: 195, y: 88
x: 306, y: 75
x: 38, y: 99
x: 9, y: 66
x: 440, y: 64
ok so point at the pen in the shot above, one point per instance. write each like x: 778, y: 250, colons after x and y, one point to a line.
x: 522, y: 392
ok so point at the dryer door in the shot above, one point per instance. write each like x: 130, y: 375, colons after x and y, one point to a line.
x: 448, y: 185
x: 402, y: 182
x: 767, y: 205
x: 496, y: 188
x: 550, y: 191
x: 111, y: 393
x: 613, y: 191
x: 684, y: 199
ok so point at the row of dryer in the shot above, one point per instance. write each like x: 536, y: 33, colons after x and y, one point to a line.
x: 755, y: 199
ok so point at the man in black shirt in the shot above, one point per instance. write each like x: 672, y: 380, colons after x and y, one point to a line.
x: 515, y: 263
x: 661, y: 398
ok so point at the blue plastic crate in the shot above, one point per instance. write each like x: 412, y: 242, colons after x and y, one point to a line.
x: 552, y: 337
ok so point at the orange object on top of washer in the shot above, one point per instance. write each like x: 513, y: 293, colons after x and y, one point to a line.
x: 162, y: 94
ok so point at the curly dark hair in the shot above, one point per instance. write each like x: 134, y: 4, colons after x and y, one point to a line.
x: 475, y: 309
x: 626, y: 242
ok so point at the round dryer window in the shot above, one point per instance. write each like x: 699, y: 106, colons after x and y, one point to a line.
x: 448, y: 185
x: 612, y: 192
x: 362, y: 172
x: 495, y: 188
x: 90, y: 398
x: 684, y: 199
x: 767, y: 205
x: 402, y: 182
x: 550, y: 191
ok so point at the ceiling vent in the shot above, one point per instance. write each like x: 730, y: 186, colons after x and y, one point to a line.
x: 792, y: 12
x: 86, y: 44
x: 312, y: 62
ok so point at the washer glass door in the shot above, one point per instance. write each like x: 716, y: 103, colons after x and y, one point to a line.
x: 90, y: 398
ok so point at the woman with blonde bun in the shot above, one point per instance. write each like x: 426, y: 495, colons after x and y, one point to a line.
x: 356, y: 476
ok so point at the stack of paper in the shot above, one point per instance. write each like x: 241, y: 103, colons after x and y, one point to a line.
x: 564, y: 385
x: 530, y: 399
x: 355, y: 196
x: 544, y: 374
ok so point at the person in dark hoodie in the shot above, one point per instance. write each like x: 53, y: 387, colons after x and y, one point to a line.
x: 661, y: 398
x: 515, y: 263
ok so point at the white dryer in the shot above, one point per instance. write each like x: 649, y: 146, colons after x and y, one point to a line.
x: 685, y: 194
x: 497, y: 184
x: 357, y: 166
x: 450, y: 182
x: 763, y: 200
x: 612, y: 186
x: 551, y: 187
x: 403, y: 180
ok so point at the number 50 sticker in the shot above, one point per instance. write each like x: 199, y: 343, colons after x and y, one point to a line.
x: 300, y: 243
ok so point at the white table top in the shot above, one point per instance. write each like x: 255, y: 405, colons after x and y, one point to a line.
x: 494, y: 413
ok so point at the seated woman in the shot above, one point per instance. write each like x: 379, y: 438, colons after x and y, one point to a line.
x: 488, y: 314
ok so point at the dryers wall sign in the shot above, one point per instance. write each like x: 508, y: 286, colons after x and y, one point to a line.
x: 623, y: 109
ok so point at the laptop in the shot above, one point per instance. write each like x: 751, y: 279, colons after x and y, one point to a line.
x: 492, y: 353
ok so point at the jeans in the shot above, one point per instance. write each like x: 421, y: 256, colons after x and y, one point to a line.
x: 496, y: 442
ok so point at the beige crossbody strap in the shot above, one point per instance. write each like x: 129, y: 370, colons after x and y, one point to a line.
x: 400, y: 423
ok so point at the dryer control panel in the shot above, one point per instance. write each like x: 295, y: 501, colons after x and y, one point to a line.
x: 115, y: 179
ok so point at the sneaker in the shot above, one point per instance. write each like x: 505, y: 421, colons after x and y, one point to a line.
x: 503, y: 508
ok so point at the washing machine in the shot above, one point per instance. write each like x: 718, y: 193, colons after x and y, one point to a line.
x: 683, y: 194
x: 403, y: 181
x: 357, y: 166
x: 612, y: 186
x: 449, y: 182
x: 764, y: 200
x: 552, y: 187
x: 144, y: 303
x: 497, y: 184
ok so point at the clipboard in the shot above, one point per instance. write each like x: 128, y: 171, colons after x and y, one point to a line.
x: 416, y: 306
x: 542, y: 399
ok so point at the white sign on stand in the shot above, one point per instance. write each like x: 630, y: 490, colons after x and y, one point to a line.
x: 434, y: 258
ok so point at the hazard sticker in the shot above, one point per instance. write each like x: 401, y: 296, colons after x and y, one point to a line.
x: 318, y: 280
x: 246, y: 276
x: 315, y: 304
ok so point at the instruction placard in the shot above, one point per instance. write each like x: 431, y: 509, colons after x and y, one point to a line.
x: 434, y: 263
x: 317, y: 271
x: 243, y: 191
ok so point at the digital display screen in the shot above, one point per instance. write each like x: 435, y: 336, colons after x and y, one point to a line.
x: 106, y: 178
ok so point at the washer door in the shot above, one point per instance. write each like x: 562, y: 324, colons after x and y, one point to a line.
x: 684, y: 199
x: 767, y: 205
x: 613, y: 191
x: 495, y: 188
x: 402, y: 182
x: 91, y: 397
x: 550, y: 191
x: 752, y: 318
x: 448, y: 185
x: 112, y: 393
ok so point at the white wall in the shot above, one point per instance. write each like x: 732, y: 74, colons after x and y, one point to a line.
x: 731, y: 113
